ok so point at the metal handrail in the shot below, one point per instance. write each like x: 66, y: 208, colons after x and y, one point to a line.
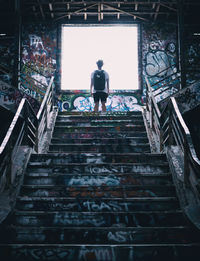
x: 22, y: 131
x: 44, y: 112
x: 175, y: 132
x: 168, y: 79
x: 26, y: 129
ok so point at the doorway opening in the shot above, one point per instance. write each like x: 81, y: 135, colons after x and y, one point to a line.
x: 82, y: 46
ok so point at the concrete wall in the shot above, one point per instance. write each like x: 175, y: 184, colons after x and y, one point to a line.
x: 41, y: 50
x: 159, y: 54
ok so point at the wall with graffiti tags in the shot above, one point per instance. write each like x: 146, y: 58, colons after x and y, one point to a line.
x: 159, y: 54
x: 189, y: 98
x: 192, y: 54
x: 38, y: 59
x: 6, y: 59
x: 10, y: 97
x: 82, y: 101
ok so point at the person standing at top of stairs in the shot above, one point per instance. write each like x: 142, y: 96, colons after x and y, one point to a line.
x: 99, y: 86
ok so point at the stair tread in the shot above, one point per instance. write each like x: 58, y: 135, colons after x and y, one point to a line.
x: 102, y: 228
x: 35, y: 212
x: 106, y: 245
x: 136, y: 175
x: 30, y: 198
x: 101, y: 186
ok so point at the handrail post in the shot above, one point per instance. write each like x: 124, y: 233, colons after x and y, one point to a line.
x: 26, y: 114
x: 186, y: 165
x: 170, y: 142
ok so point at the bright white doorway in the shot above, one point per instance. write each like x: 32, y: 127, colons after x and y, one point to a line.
x: 82, y: 46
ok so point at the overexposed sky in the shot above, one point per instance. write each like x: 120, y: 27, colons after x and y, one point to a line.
x: 82, y: 46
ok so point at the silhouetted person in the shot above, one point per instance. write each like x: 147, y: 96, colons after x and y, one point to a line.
x: 99, y: 86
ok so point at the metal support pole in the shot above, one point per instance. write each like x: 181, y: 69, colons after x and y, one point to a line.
x: 181, y: 45
x: 18, y: 30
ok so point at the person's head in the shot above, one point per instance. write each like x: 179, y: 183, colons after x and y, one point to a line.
x: 99, y: 64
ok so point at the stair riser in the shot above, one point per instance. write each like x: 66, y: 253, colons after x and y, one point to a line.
x: 106, y: 191
x: 99, y: 169
x: 100, y: 220
x: 95, y: 205
x: 117, y: 129
x: 99, y: 253
x: 97, y: 180
x: 101, y: 236
x: 99, y: 123
x: 100, y: 148
x: 103, y: 141
x: 56, y: 158
x: 95, y: 135
x: 97, y: 118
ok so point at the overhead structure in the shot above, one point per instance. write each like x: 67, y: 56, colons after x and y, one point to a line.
x: 98, y: 11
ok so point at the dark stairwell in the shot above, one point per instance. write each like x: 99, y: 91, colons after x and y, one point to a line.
x: 98, y: 194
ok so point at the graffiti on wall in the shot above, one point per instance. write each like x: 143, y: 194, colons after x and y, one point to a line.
x: 159, y: 57
x: 193, y: 60
x: 189, y: 98
x: 116, y: 101
x: 10, y: 97
x: 38, y: 59
x: 6, y: 59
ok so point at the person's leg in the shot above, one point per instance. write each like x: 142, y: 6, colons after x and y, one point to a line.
x: 103, y: 101
x: 96, y: 101
x: 96, y: 107
x: 103, y: 106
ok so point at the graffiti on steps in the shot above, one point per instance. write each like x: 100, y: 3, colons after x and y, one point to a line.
x: 83, y: 253
x: 96, y: 192
x: 94, y: 181
x: 74, y: 219
x: 98, y: 254
x: 106, y: 169
x: 105, y: 206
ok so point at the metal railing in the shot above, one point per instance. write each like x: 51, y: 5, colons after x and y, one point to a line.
x: 174, y: 132
x: 167, y: 85
x: 43, y: 114
x: 26, y: 129
x: 21, y: 131
x: 171, y: 130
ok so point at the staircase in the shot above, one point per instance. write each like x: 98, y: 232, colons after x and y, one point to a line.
x: 100, y: 195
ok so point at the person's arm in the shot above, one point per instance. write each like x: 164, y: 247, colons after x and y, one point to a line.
x: 91, y: 85
x: 108, y: 86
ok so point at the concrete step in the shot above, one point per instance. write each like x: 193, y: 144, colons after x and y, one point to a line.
x: 99, y: 129
x: 100, y: 235
x: 99, y: 135
x: 95, y: 219
x: 120, y: 114
x: 107, y: 191
x: 97, y: 204
x: 92, y: 179
x: 99, y: 122
x: 100, y: 148
x: 89, y: 252
x: 96, y: 168
x: 101, y: 141
x: 100, y: 158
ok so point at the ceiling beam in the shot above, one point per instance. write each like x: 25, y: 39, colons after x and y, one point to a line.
x: 157, y: 11
x: 127, y: 13
x: 77, y: 11
x: 169, y: 7
x: 41, y: 9
x: 51, y: 9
